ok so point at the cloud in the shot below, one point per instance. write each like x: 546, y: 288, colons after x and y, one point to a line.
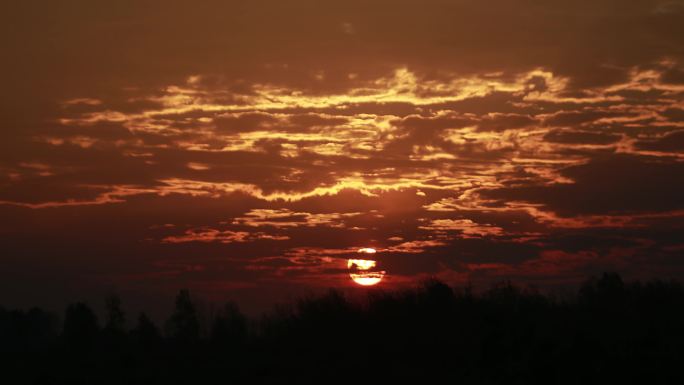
x: 580, y: 137
x: 206, y: 234
x: 280, y: 218
x: 670, y: 143
x: 608, y: 185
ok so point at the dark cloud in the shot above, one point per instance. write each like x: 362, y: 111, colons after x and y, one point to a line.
x: 674, y: 114
x: 610, y: 185
x: 575, y: 118
x: 500, y: 122
x: 580, y: 137
x: 672, y: 142
x: 245, y: 122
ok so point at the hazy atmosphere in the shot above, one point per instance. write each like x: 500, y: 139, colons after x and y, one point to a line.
x: 246, y: 150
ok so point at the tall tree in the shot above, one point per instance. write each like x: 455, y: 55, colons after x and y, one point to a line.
x: 230, y: 326
x: 183, y: 325
x: 116, y: 318
x: 80, y: 326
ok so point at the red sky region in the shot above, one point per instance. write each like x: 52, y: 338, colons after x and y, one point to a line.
x: 245, y: 150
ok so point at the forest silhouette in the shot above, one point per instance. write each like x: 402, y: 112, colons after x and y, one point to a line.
x: 609, y: 332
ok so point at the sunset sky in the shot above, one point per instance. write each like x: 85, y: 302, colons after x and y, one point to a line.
x: 246, y: 149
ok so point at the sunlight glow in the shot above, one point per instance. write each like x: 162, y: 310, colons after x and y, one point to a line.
x: 362, y: 270
x: 367, y: 279
x: 360, y: 264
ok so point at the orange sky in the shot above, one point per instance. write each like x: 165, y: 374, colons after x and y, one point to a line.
x: 246, y: 149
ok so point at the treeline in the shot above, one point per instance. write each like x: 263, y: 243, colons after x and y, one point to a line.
x: 610, y: 332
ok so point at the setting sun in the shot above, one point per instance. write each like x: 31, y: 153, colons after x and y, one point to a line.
x: 364, y: 271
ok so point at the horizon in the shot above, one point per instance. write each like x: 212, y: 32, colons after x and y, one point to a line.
x: 163, y: 307
x: 360, y: 299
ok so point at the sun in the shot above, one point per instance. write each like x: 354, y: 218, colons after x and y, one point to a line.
x: 364, y: 271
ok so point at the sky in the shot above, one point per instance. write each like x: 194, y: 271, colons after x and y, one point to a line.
x: 246, y: 149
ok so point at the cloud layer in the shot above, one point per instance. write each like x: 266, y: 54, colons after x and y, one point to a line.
x: 250, y: 148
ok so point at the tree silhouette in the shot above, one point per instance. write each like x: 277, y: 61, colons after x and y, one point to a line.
x: 28, y: 331
x: 183, y: 326
x: 115, y: 322
x: 230, y: 326
x: 80, y: 327
x: 146, y: 332
x: 611, y: 332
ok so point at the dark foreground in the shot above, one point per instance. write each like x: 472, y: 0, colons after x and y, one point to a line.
x: 610, y: 333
